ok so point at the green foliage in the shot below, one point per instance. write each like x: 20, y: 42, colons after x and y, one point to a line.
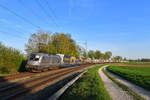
x: 85, y: 54
x: 98, y: 54
x: 117, y: 58
x: 88, y: 87
x: 107, y: 55
x: 10, y: 59
x: 137, y: 75
x: 64, y: 44
x: 91, y: 54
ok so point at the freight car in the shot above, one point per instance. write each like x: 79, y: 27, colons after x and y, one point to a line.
x: 40, y: 61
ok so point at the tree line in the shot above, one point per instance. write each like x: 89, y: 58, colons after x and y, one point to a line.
x: 98, y: 54
x: 61, y: 43
x: 140, y: 60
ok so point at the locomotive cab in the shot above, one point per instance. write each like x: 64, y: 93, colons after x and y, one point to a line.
x: 41, y: 62
x: 34, y: 61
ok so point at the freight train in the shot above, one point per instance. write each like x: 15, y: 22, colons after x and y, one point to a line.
x: 40, y: 61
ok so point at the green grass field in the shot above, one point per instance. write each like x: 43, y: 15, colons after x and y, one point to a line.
x: 88, y: 87
x: 137, y: 63
x: 137, y: 75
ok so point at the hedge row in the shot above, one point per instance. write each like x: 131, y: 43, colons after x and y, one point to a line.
x: 11, y: 60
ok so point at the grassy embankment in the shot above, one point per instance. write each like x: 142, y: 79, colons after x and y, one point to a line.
x: 137, y: 75
x: 11, y: 60
x: 88, y: 87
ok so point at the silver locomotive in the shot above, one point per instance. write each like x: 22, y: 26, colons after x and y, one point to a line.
x: 41, y: 61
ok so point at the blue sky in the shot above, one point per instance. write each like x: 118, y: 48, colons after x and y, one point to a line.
x: 120, y: 26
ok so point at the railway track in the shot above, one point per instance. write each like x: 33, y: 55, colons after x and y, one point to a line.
x: 15, y: 76
x: 12, y: 91
x: 18, y: 77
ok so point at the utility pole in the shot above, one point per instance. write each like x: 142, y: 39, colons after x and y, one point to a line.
x: 86, y: 46
x: 85, y: 43
x: 48, y: 39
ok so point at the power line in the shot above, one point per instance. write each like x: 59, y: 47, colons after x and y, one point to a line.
x: 18, y: 36
x: 47, y: 14
x: 23, y: 18
x: 51, y: 9
x: 31, y: 10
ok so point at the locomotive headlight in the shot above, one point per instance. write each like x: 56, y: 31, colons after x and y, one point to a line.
x: 37, y: 56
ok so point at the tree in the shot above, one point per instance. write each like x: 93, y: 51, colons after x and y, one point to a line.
x: 97, y: 54
x: 91, y: 54
x: 38, y: 42
x: 58, y: 43
x: 125, y: 58
x: 107, y: 55
x: 64, y: 44
x: 85, y: 55
x: 117, y: 58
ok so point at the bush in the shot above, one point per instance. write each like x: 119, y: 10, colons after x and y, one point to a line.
x: 10, y: 59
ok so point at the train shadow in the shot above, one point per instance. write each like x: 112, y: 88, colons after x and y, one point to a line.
x: 22, y: 66
x: 9, y: 90
x: 48, y: 91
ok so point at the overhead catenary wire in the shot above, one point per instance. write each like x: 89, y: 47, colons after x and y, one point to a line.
x: 21, y: 17
x: 46, y: 13
x: 32, y: 11
x: 51, y: 10
x: 18, y: 36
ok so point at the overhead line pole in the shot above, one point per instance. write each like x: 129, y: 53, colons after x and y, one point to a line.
x: 85, y: 43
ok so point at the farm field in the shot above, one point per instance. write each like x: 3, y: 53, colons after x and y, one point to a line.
x: 137, y: 75
x: 137, y: 63
x: 88, y: 87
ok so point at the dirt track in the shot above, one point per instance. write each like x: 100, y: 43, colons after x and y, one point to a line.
x: 139, y: 90
x: 113, y: 89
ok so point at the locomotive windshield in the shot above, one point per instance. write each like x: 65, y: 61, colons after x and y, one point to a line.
x: 34, y: 57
